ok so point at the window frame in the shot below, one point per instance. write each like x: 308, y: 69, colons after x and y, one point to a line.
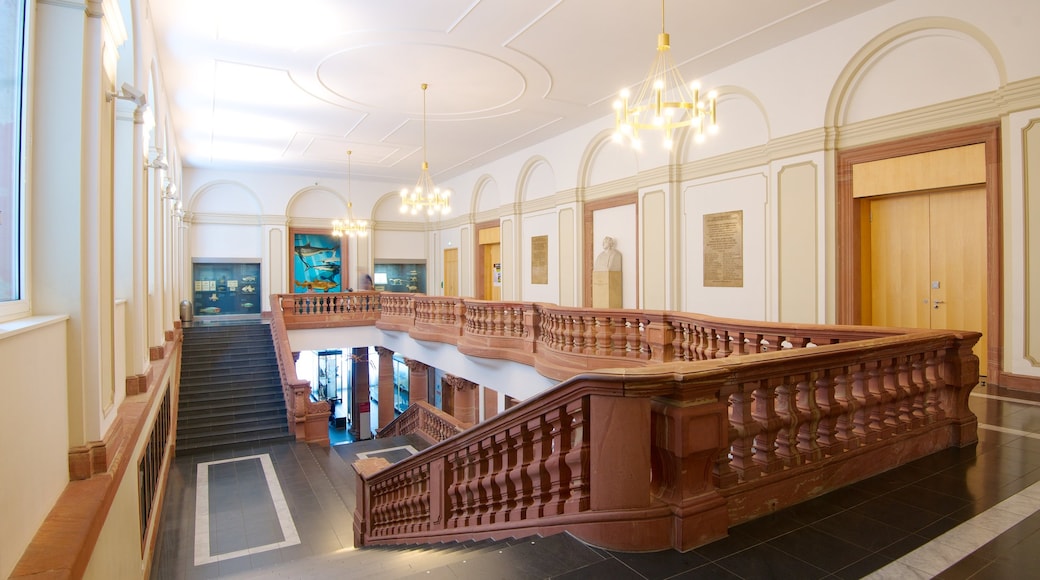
x: 20, y: 306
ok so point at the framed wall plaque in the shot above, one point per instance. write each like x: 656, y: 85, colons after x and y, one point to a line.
x: 724, y: 249
x: 540, y: 260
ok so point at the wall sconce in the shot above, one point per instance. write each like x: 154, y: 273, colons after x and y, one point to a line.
x: 170, y: 191
x: 159, y: 162
x: 129, y: 92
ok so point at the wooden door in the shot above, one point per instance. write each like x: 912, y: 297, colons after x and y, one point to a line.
x: 492, y: 257
x: 958, y: 263
x: 451, y: 272
x: 928, y: 261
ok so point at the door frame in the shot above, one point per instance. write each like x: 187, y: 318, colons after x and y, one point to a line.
x: 848, y: 223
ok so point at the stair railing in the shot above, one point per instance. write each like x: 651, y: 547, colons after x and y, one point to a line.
x: 308, y: 419
x: 668, y: 427
x: 425, y: 420
x: 672, y: 455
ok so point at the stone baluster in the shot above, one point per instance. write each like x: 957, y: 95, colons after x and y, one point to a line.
x: 920, y: 389
x: 556, y: 475
x: 831, y: 412
x: 845, y: 425
x: 497, y: 481
x: 456, y: 507
x: 890, y: 397
x: 536, y: 474
x: 576, y: 459
x: 603, y: 336
x: 933, y: 374
x: 746, y: 429
x: 809, y: 416
x: 518, y: 482
x: 764, y: 412
x: 904, y: 391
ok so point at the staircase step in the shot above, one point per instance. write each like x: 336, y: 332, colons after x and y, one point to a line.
x: 232, y: 411
x: 230, y: 389
x: 220, y: 427
x: 239, y: 399
x: 209, y: 444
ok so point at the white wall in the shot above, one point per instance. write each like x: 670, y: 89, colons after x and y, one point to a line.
x: 34, y: 429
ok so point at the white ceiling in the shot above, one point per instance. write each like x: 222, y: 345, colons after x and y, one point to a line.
x: 291, y: 86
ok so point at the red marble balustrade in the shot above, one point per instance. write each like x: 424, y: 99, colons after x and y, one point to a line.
x: 668, y: 427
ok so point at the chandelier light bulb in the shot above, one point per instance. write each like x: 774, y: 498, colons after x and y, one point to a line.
x: 663, y: 100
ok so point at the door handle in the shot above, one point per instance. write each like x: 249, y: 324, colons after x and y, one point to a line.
x: 938, y: 302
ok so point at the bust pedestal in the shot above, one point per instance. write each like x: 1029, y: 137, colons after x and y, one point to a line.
x: 606, y: 289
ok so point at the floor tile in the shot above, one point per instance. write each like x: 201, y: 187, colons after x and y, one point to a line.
x: 848, y: 533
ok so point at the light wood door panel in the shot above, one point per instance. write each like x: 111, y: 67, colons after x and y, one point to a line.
x: 928, y: 261
x: 958, y: 263
x: 451, y: 272
x: 899, y: 256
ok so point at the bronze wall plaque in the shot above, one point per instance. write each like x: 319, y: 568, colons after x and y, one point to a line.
x: 540, y: 260
x: 724, y: 249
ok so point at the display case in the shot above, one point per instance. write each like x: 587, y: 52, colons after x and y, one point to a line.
x: 226, y: 287
x: 389, y: 277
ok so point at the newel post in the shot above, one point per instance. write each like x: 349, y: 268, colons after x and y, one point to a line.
x: 301, y: 392
x: 660, y: 336
x: 687, y: 438
x: 961, y: 375
x: 619, y: 458
x: 365, y: 469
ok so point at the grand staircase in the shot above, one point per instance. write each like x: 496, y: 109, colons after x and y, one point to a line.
x: 230, y: 390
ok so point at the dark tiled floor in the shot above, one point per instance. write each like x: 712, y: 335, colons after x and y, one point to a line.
x: 890, y: 520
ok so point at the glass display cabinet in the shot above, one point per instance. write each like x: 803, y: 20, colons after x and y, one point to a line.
x: 225, y: 287
x: 400, y: 277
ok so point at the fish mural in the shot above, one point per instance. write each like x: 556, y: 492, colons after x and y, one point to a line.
x: 249, y: 289
x: 210, y: 310
x: 317, y: 262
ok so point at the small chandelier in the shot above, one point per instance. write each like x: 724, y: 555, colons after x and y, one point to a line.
x: 349, y: 226
x: 651, y: 109
x: 425, y: 196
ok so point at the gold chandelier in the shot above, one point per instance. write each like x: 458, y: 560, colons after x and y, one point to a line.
x: 652, y: 110
x: 349, y: 226
x: 425, y: 196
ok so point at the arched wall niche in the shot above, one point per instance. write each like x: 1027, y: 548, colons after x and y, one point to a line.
x: 925, y: 55
x: 605, y: 160
x: 315, y: 201
x: 485, y: 195
x: 225, y: 197
x: 743, y: 124
x: 537, y: 180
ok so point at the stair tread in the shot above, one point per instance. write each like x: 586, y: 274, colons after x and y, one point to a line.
x: 230, y: 388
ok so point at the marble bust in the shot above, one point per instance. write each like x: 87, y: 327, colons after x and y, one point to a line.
x: 609, y: 260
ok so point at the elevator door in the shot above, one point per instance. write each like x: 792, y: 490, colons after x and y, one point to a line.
x: 928, y: 261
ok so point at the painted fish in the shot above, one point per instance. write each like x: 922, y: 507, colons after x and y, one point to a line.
x: 247, y: 279
x: 214, y: 298
x: 249, y: 289
x: 247, y: 305
x: 209, y: 310
x: 307, y: 250
x: 331, y: 269
x: 325, y: 285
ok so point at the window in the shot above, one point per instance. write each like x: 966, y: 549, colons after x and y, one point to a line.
x: 12, y: 100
